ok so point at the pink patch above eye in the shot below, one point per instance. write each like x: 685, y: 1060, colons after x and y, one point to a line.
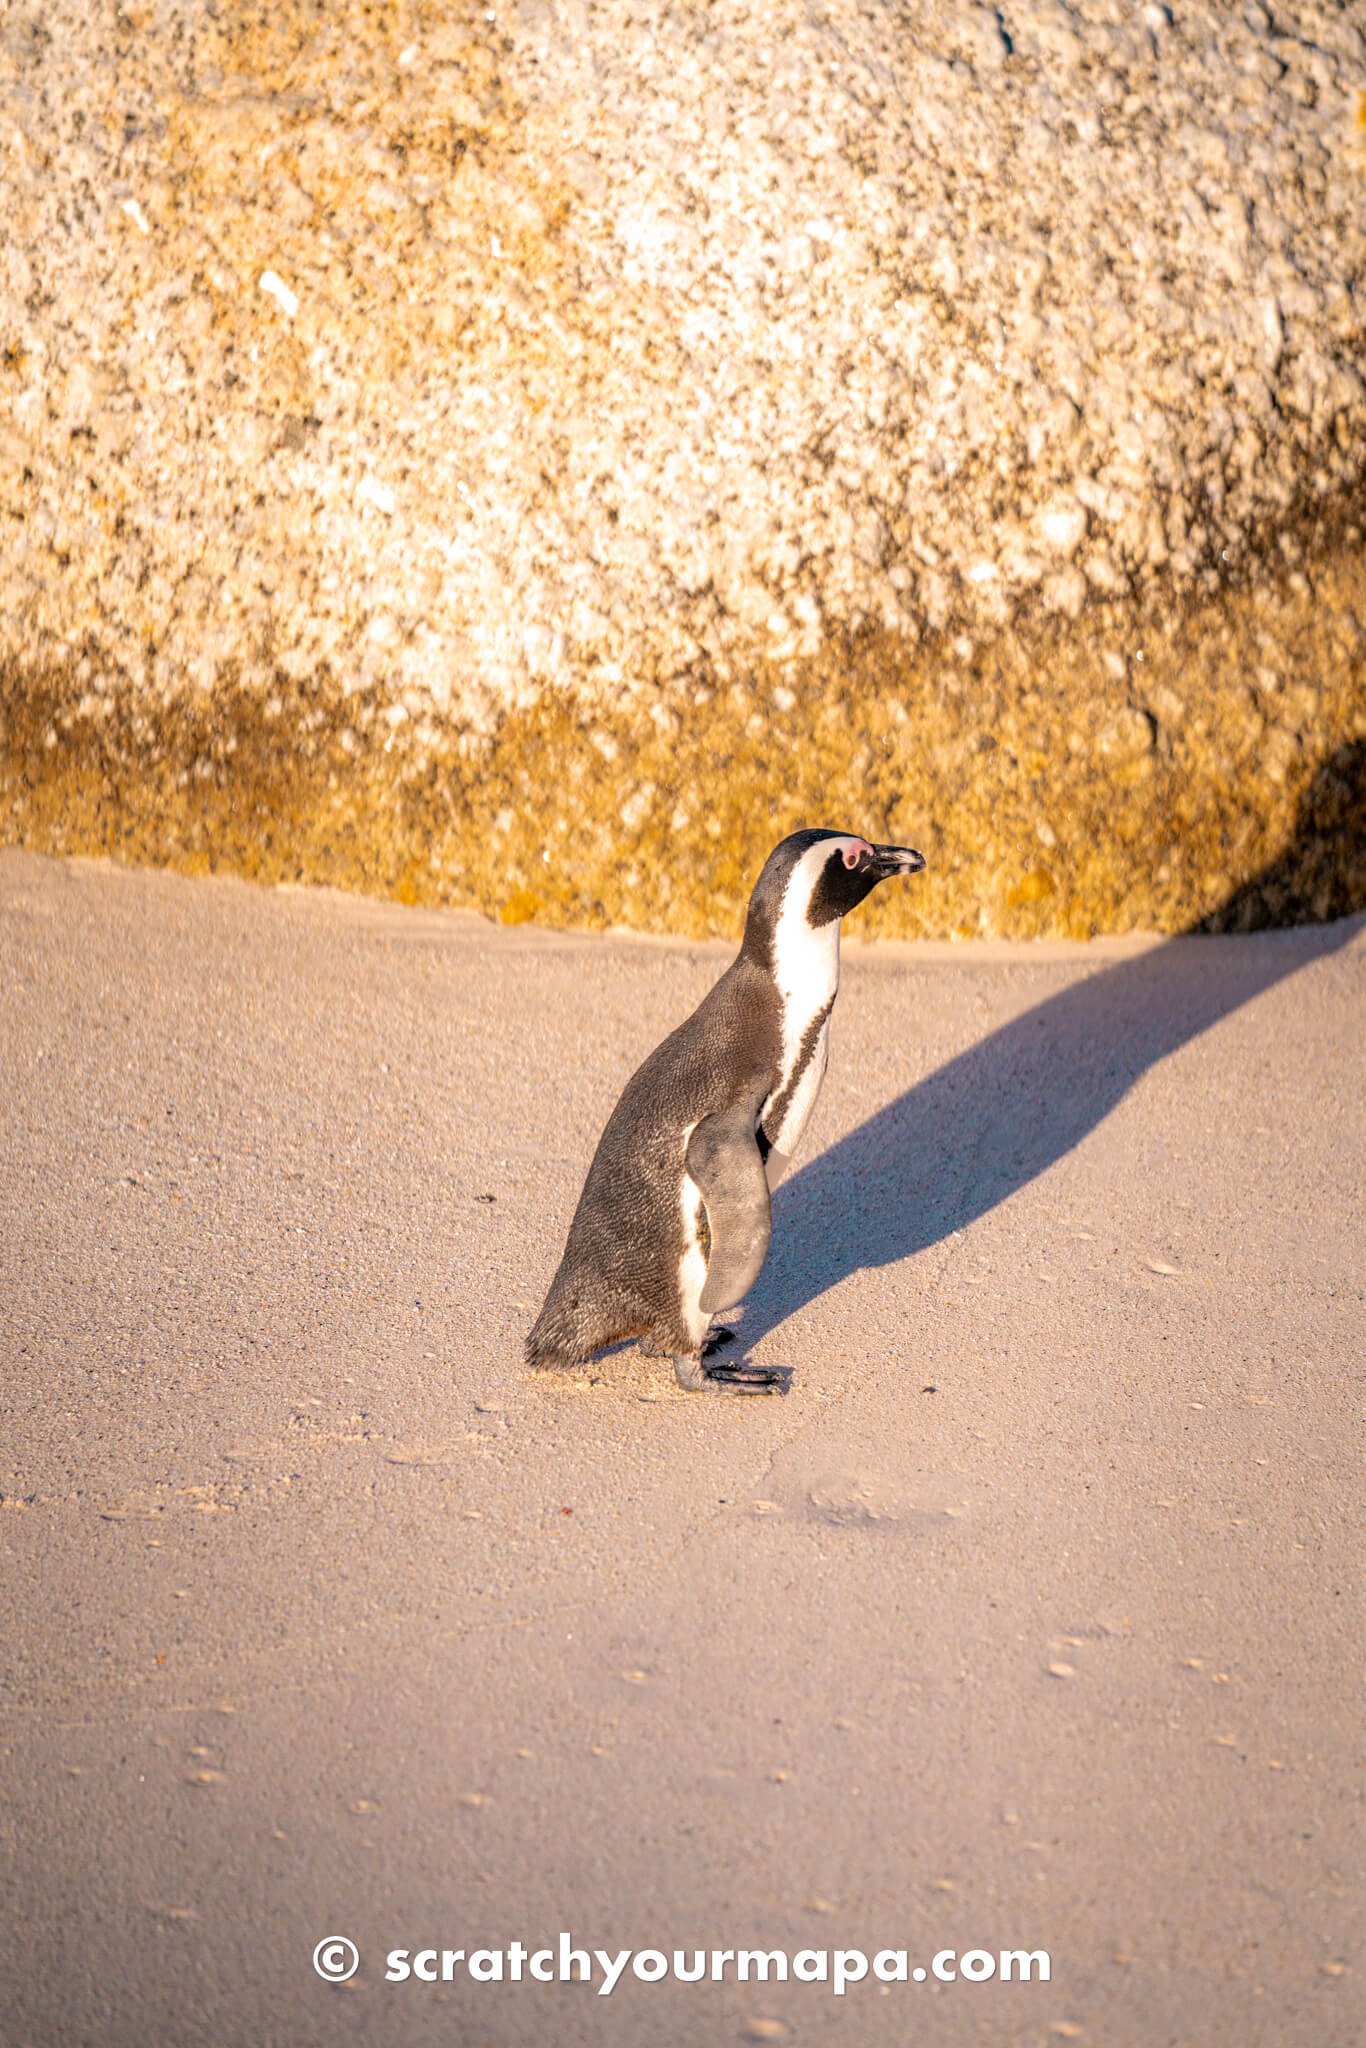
x: 853, y: 854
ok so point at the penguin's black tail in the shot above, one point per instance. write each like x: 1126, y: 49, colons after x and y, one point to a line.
x: 553, y: 1338
x: 568, y: 1332
x: 540, y: 1355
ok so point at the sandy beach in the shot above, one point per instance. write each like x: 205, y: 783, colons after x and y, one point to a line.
x: 1027, y: 1620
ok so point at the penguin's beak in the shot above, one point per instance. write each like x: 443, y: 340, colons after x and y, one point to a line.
x: 897, y: 860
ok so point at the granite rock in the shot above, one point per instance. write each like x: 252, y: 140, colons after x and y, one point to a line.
x: 400, y: 386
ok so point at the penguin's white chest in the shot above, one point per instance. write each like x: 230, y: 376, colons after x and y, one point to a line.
x: 789, y: 1104
x: 807, y: 972
x: 787, y: 1112
x: 692, y: 1266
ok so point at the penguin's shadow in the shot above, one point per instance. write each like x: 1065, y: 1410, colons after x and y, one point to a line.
x: 980, y: 1128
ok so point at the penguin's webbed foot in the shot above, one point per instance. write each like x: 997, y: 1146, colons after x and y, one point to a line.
x: 694, y: 1371
x: 716, y: 1338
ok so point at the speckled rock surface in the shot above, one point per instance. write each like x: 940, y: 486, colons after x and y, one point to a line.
x: 433, y: 439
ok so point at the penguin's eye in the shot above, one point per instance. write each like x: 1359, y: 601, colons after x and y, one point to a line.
x: 851, y: 856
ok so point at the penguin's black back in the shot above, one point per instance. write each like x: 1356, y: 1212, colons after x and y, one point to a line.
x: 619, y: 1276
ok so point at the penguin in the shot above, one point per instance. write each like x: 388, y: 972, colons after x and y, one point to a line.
x: 673, y: 1223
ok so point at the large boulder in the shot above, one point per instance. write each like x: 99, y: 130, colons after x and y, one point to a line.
x: 531, y: 455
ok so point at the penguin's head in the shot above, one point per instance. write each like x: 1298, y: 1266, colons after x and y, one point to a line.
x: 818, y: 877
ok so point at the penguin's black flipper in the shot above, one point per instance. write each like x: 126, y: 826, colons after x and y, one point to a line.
x: 723, y: 1158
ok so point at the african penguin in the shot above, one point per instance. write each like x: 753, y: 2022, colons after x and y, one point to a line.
x: 673, y: 1222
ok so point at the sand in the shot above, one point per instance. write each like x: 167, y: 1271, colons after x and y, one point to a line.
x: 1026, y: 1620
